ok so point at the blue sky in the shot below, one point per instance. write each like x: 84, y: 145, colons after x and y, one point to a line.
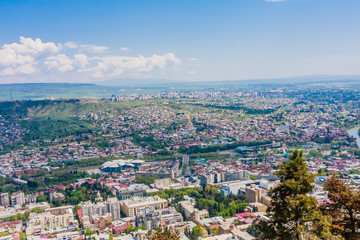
x: 192, y: 40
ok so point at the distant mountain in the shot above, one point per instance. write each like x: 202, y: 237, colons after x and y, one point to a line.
x: 19, y: 91
x: 115, y: 87
x: 139, y: 82
x: 283, y: 81
x: 131, y: 83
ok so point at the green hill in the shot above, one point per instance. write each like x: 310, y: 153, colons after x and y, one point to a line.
x: 50, y: 108
x: 52, y: 119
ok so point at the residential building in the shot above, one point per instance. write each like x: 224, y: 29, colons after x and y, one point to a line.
x: 135, y: 190
x: 17, y: 199
x: 190, y: 211
x: 4, y: 199
x: 252, y: 194
x: 45, y: 222
x: 130, y: 207
x: 151, y: 218
x: 91, y: 210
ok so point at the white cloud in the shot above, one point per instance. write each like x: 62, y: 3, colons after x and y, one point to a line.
x: 117, y: 65
x: 193, y: 59
x: 125, y: 49
x: 71, y: 45
x: 81, y: 60
x: 61, y: 63
x: 32, y: 47
x: 92, y: 48
x: 21, y: 69
x: 34, y: 56
x: 191, y: 72
x: 9, y: 57
x: 86, y: 47
x: 19, y: 58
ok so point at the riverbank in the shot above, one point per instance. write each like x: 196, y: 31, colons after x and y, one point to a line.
x: 354, y: 132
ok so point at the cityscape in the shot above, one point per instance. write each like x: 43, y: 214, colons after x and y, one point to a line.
x: 149, y: 161
x: 179, y: 120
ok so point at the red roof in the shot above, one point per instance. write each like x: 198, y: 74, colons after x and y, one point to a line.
x: 91, y: 181
x: 79, y: 213
x: 245, y: 214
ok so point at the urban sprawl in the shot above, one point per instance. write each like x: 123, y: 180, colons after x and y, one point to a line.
x: 196, y: 163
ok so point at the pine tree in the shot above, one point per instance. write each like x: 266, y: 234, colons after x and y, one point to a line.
x: 294, y: 214
x: 343, y: 207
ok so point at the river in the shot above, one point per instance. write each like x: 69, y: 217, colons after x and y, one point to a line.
x: 354, y: 132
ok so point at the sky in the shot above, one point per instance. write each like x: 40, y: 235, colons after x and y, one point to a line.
x: 188, y: 40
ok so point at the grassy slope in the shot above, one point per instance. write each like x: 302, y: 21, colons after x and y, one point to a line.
x: 52, y: 119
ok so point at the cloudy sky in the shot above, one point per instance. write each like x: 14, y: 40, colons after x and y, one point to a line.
x: 92, y: 41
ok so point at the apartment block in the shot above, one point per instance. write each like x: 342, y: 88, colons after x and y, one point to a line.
x: 131, y: 206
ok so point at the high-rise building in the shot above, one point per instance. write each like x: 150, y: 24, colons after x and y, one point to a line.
x: 215, y: 177
x: 113, y: 207
x: 4, y: 199
x: 99, y: 209
x: 207, y: 179
x: 252, y: 194
x: 54, y: 195
x: 17, y: 198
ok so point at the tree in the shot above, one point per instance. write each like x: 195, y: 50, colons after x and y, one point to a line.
x: 25, y: 177
x: 343, y: 207
x: 294, y: 214
x: 215, y: 231
x: 129, y: 228
x: 111, y: 235
x: 197, y: 231
x: 22, y: 236
x: 166, y: 234
x: 37, y: 210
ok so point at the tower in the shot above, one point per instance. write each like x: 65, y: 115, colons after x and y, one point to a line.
x: 188, y: 124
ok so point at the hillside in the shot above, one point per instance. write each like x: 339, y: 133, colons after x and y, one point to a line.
x: 46, y: 119
x: 50, y: 108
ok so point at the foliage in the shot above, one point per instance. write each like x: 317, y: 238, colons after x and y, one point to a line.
x: 237, y: 107
x: 146, y: 180
x: 315, y: 154
x: 47, y: 128
x: 344, y: 208
x: 166, y: 234
x: 253, y: 177
x: 129, y: 228
x: 215, y: 231
x: 164, y: 153
x: 209, y: 198
x: 294, y: 214
x: 58, y: 178
x: 252, y: 230
x: 83, y: 193
x: 357, y: 152
x: 83, y: 163
x: 214, y: 148
x: 22, y: 236
x: 23, y: 217
x: 195, y: 233
x: 88, y: 232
